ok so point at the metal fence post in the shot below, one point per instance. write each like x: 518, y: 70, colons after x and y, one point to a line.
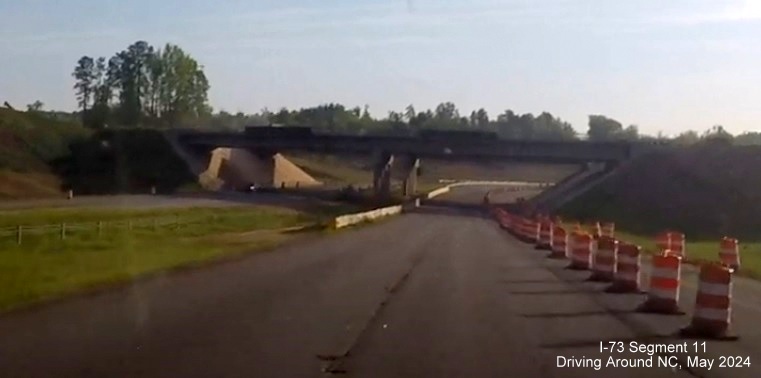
x: 100, y: 228
x: 63, y: 231
x: 18, y: 234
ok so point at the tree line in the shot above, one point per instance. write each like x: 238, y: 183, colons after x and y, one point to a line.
x: 166, y: 87
x: 141, y: 85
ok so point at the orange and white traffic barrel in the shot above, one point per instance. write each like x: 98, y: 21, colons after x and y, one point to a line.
x: 609, y: 229
x: 713, y: 304
x: 678, y: 244
x: 729, y: 253
x: 673, y: 241
x: 581, y: 251
x: 596, y: 230
x: 530, y: 230
x: 604, y: 260
x: 663, y: 293
x: 545, y: 235
x: 559, y: 243
x: 628, y: 264
x: 663, y: 241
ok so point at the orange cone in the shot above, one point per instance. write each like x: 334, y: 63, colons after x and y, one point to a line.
x: 626, y: 279
x: 713, y: 304
x: 581, y: 251
x: 604, y: 267
x: 729, y: 253
x: 663, y: 294
x: 559, y: 243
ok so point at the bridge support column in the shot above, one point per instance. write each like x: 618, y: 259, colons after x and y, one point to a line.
x: 412, y: 170
x: 384, y: 162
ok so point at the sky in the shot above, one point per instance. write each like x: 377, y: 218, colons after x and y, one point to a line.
x: 666, y: 66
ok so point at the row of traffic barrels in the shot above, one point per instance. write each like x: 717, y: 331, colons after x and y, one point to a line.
x: 620, y: 264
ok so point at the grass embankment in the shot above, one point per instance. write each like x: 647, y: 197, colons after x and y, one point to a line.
x: 45, y: 266
x: 29, y: 142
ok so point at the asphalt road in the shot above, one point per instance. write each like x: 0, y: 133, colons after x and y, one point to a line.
x: 436, y: 293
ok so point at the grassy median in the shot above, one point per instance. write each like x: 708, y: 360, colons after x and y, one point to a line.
x: 101, y: 247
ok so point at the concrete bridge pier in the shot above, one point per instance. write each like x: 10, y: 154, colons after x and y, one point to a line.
x: 384, y: 162
x: 412, y: 171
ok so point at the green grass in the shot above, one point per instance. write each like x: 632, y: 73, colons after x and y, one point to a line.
x: 44, y: 266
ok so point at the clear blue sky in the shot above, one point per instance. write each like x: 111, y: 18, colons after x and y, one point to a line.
x: 663, y: 65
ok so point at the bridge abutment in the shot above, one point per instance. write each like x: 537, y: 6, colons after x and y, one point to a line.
x: 383, y: 164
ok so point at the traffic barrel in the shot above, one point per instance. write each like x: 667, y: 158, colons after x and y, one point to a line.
x: 713, y: 304
x: 545, y: 234
x: 609, y: 229
x: 559, y: 243
x: 596, y: 230
x: 663, y: 294
x: 663, y: 241
x: 626, y: 279
x: 729, y: 253
x: 673, y: 241
x: 678, y: 244
x: 581, y: 251
x: 533, y: 231
x: 604, y: 261
x: 577, y: 227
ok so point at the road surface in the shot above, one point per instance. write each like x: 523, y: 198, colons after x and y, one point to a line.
x: 437, y: 293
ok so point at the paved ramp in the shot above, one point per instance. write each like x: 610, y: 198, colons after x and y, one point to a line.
x: 437, y: 293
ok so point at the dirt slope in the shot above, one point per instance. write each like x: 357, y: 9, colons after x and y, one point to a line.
x: 707, y: 190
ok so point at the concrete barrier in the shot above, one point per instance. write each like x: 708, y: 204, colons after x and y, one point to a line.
x: 352, y: 219
x: 438, y: 192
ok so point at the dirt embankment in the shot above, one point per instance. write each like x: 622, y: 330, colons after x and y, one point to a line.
x: 707, y: 190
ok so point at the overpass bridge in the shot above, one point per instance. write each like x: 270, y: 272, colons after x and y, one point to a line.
x: 408, y: 150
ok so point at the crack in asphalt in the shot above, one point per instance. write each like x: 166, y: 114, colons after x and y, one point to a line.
x: 335, y: 364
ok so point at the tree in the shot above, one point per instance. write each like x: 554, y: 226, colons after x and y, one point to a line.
x: 35, y: 106
x: 687, y: 138
x: 156, y: 86
x: 84, y: 75
x: 717, y: 134
x: 395, y: 117
x: 602, y: 128
x: 631, y: 133
x: 446, y: 111
x: 409, y: 113
x: 482, y: 118
x: 748, y: 138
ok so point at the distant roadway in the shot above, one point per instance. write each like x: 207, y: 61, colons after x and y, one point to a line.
x: 437, y: 293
